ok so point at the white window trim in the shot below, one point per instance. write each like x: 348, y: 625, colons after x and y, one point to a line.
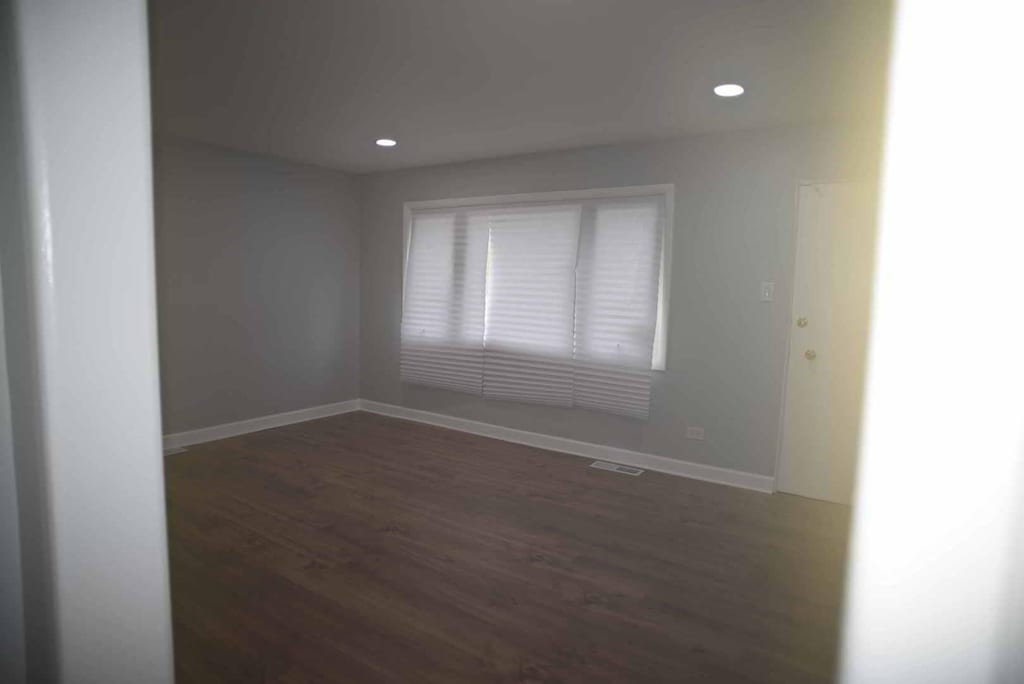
x: 660, y: 352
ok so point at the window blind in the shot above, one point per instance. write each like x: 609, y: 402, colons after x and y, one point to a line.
x: 545, y: 302
x: 617, y: 305
x: 528, y: 335
x: 443, y: 307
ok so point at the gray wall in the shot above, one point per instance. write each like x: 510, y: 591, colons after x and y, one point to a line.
x: 734, y: 227
x: 12, y: 610
x: 24, y: 518
x: 258, y: 285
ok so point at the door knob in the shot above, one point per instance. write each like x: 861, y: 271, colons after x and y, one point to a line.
x: 810, y: 354
x: 801, y: 322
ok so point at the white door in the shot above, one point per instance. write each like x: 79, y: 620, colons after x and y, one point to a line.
x: 828, y: 340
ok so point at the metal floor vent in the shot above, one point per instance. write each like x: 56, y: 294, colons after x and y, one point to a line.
x: 615, y: 467
x: 175, y: 450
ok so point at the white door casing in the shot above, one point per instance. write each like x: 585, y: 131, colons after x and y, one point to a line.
x: 828, y: 339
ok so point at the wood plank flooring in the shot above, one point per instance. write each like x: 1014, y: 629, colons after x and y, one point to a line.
x: 365, y: 549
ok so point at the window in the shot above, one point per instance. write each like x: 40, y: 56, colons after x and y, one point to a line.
x: 554, y: 299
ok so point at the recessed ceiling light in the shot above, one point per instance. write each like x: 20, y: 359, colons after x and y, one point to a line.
x: 728, y: 90
x: 386, y: 142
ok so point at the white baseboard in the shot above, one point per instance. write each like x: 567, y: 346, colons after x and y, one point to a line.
x: 661, y: 464
x: 600, y: 452
x: 209, y: 434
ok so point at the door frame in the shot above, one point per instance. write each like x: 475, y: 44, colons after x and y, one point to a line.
x: 779, y: 433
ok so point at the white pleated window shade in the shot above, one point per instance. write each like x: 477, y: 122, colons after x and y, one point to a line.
x: 552, y: 303
x: 443, y: 308
x: 530, y: 300
x: 616, y: 299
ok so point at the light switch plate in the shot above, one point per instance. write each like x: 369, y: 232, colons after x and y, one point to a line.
x: 767, y: 290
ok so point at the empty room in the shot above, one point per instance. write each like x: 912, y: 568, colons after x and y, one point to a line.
x: 536, y: 341
x: 486, y: 334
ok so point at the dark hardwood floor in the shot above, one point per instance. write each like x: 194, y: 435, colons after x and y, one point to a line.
x: 361, y: 548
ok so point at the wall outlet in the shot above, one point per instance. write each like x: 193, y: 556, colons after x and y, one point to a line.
x: 767, y: 290
x: 694, y: 432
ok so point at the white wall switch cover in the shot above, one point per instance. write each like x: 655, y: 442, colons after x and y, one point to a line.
x: 767, y: 290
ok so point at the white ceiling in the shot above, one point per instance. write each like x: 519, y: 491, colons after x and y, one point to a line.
x: 319, y: 80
